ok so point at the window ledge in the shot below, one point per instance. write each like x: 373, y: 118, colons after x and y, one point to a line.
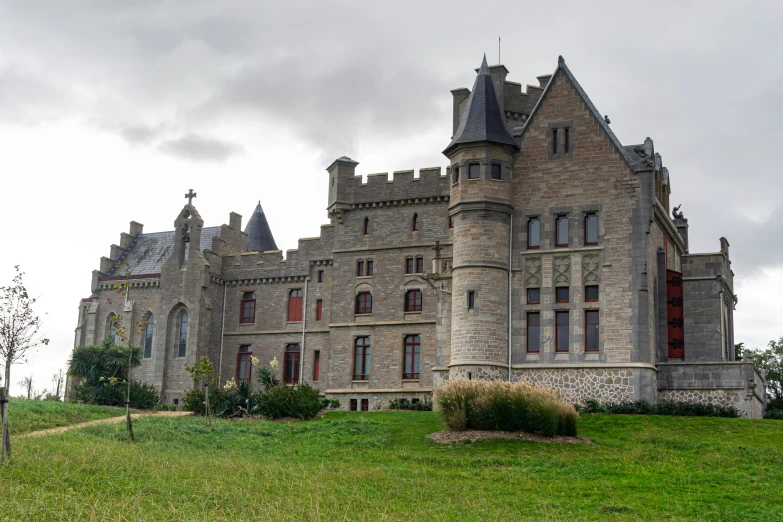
x: 361, y: 380
x: 364, y: 277
x: 293, y: 322
x: 413, y: 313
x: 411, y: 380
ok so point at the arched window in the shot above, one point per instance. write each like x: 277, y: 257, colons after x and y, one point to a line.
x: 415, y: 222
x: 361, y: 361
x: 413, y: 301
x: 148, y: 336
x: 364, y: 303
x: 183, y: 334
x: 412, y: 357
x: 366, y: 227
x: 295, y: 305
x: 291, y: 364
x: 455, y: 176
x: 111, y: 327
x: 244, y: 366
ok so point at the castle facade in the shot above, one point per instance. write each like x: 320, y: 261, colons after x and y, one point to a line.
x: 545, y: 252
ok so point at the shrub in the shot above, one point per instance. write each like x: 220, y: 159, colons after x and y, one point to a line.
x: 301, y: 402
x: 111, y: 392
x: 143, y: 396
x: 405, y: 404
x: 678, y: 408
x: 773, y: 414
x: 499, y: 405
x: 332, y: 404
x: 194, y: 400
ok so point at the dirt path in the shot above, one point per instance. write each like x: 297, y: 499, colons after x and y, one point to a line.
x: 121, y: 418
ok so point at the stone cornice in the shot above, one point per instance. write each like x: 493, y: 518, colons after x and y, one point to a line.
x: 379, y: 390
x: 400, y: 202
x: 383, y: 323
x: 582, y: 366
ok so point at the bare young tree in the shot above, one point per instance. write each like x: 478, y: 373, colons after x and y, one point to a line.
x: 19, y: 336
x: 57, y: 384
x: 27, y: 385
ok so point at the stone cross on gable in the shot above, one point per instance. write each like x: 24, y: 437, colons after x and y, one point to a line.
x: 190, y: 195
x: 437, y: 248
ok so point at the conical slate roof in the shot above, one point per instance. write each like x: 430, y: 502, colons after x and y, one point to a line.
x: 259, y: 236
x: 482, y: 119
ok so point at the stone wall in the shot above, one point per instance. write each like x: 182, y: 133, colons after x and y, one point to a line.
x: 607, y: 384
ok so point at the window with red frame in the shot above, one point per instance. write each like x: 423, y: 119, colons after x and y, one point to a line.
x: 561, y: 239
x: 561, y: 332
x: 291, y: 364
x: 534, y: 233
x: 319, y: 309
x: 412, y: 357
x: 409, y: 264
x: 316, y: 364
x: 533, y: 296
x: 364, y: 303
x: 415, y: 222
x: 413, y: 301
x: 244, y: 366
x: 591, y: 293
x: 295, y: 305
x: 247, y: 308
x: 591, y: 229
x: 561, y: 294
x: 361, y: 361
x: 497, y: 171
x: 360, y: 268
x: 591, y: 330
x: 533, y: 332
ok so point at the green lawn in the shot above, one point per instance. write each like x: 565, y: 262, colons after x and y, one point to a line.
x: 379, y: 466
x: 26, y: 415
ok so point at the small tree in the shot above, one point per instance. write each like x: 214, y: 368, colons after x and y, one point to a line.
x: 57, y: 384
x: 19, y: 336
x: 770, y: 362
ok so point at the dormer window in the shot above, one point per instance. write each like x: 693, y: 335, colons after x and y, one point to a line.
x: 473, y: 171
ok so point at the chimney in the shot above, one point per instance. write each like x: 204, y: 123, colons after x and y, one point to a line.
x: 459, y: 96
x: 235, y: 221
x: 543, y: 80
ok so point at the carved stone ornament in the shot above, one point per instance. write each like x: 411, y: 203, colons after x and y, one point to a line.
x: 562, y: 270
x: 590, y: 272
x: 645, y: 153
x: 676, y: 212
x: 533, y: 272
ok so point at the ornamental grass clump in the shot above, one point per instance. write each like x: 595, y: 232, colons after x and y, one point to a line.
x: 505, y: 406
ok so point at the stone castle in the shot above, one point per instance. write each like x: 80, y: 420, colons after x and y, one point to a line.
x: 544, y: 253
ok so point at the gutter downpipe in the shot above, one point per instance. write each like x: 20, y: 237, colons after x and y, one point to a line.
x: 222, y: 331
x: 510, y: 251
x: 304, y: 323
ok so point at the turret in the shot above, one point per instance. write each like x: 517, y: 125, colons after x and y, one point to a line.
x: 481, y: 154
x: 259, y: 235
x: 341, y: 174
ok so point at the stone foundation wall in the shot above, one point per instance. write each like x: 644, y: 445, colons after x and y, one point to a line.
x: 603, y: 384
x: 485, y: 373
x: 378, y: 400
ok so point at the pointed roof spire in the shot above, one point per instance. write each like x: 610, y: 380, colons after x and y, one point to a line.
x: 482, y: 119
x: 259, y: 236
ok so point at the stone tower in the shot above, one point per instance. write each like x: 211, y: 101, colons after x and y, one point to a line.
x: 481, y: 155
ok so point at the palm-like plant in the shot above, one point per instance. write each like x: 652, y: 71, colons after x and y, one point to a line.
x: 96, y: 367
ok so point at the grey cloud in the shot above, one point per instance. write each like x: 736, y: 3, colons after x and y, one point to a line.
x: 198, y: 148
x: 139, y: 134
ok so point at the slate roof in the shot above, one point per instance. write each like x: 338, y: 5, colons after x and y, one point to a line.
x: 482, y: 119
x: 259, y: 235
x: 146, y: 254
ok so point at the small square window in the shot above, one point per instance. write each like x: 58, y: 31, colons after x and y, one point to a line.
x: 496, y: 171
x: 473, y: 171
x: 533, y: 296
x: 471, y: 300
x: 561, y: 294
x: 591, y: 293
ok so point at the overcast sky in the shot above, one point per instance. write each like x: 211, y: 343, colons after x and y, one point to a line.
x: 111, y: 110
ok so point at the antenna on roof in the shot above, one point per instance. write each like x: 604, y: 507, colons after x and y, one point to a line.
x: 498, y: 50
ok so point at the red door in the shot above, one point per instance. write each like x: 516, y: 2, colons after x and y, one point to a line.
x: 674, y: 313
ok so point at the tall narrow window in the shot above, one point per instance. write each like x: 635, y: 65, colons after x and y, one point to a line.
x: 353, y: 404
x: 244, y: 367
x: 554, y: 141
x: 320, y: 276
x: 361, y: 363
x: 415, y: 222
x: 291, y: 365
x: 316, y: 364
x: 591, y: 229
x: 360, y: 268
x: 369, y: 267
x: 561, y: 331
x: 497, y: 171
x: 319, y: 309
x: 534, y: 233
x: 562, y: 231
x: 412, y: 357
x: 473, y: 171
x: 591, y: 293
x: 471, y: 300
x: 533, y: 332
x: 183, y: 334
x: 451, y: 221
x: 533, y: 296
x: 561, y: 294
x: 566, y: 132
x: 409, y: 265
x: 366, y: 226
x: 295, y: 305
x: 419, y: 265
x: 455, y: 175
x: 148, y: 336
x: 248, y: 308
x: 365, y: 404
x: 112, y: 328
x: 591, y: 331
x: 413, y: 301
x: 364, y: 303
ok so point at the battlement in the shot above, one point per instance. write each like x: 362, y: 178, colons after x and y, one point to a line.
x: 404, y: 185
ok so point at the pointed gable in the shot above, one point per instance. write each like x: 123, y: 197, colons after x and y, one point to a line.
x: 561, y: 67
x: 482, y: 120
x: 259, y: 235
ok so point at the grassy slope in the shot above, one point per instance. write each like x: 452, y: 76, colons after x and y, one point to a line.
x: 379, y: 466
x: 26, y: 415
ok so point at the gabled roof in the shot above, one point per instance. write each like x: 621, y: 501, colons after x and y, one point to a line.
x: 259, y: 236
x: 482, y: 119
x: 561, y: 66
